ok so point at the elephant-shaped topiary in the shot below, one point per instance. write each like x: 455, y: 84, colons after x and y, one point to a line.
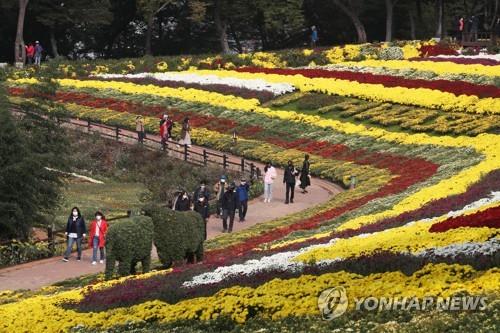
x: 178, y: 235
x: 129, y: 241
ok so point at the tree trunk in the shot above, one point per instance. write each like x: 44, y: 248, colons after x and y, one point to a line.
x: 388, y: 20
x: 440, y: 18
x: 149, y: 35
x: 413, y: 32
x: 360, y: 28
x: 221, y: 27
x: 53, y: 43
x: 236, y: 38
x: 19, y: 49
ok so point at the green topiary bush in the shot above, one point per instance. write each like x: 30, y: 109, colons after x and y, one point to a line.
x: 177, y: 235
x: 129, y: 241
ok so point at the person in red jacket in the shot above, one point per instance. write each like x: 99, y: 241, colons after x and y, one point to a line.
x: 30, y: 53
x: 97, y: 239
x: 164, y: 131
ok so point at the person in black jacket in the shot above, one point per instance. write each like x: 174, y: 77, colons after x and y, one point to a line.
x: 229, y: 204
x: 200, y: 199
x: 183, y: 202
x: 75, y: 231
x: 305, y: 178
x: 289, y: 181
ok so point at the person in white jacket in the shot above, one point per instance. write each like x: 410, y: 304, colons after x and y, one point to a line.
x: 269, y: 176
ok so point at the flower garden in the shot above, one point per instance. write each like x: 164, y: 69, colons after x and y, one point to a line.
x: 419, y: 128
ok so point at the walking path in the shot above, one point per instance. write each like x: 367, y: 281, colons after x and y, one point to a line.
x: 37, y: 274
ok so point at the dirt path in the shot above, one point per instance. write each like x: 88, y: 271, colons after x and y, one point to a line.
x: 37, y: 274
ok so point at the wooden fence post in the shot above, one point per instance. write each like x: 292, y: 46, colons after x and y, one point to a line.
x: 117, y: 133
x: 185, y: 152
x: 242, y: 165
x: 88, y: 125
x: 252, y: 170
x: 205, y: 157
x: 224, y: 161
x: 51, y: 240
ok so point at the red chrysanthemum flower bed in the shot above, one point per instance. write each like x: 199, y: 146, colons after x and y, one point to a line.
x: 454, y: 87
x: 487, y: 218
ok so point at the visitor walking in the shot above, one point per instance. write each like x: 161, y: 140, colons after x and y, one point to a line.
x: 75, y: 231
x: 97, y: 237
x: 229, y: 202
x: 474, y: 25
x: 314, y: 36
x: 30, y: 53
x: 305, y: 177
x: 183, y: 202
x: 242, y: 192
x: 185, y: 133
x: 289, y: 181
x: 139, y: 128
x: 219, y: 189
x: 201, y: 198
x: 164, y: 131
x: 38, y: 53
x: 269, y: 177
x: 461, y: 26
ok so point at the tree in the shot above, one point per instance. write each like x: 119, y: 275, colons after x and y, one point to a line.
x: 149, y: 9
x: 351, y: 9
x: 28, y: 191
x: 389, y: 10
x: 440, y: 18
x: 61, y: 16
x: 19, y: 50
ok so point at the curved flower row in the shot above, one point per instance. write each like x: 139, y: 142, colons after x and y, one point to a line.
x: 462, y: 61
x: 483, y: 143
x: 413, y: 237
x: 275, y: 299
x: 192, y: 77
x: 424, y: 97
x: 455, y: 87
x: 438, y: 67
x: 489, y: 218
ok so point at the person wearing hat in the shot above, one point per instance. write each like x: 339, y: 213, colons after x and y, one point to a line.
x: 139, y: 128
x: 219, y: 189
x: 38, y: 53
x: 242, y: 191
x: 201, y: 197
x: 164, y: 131
x: 229, y: 203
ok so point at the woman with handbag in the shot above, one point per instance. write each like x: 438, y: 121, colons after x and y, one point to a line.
x: 98, y: 229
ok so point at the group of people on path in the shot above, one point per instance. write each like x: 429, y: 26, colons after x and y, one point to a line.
x: 290, y: 175
x: 34, y: 53
x: 165, y: 129
x: 76, y: 231
x: 229, y: 198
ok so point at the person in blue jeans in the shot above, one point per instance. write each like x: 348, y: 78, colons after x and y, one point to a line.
x: 38, y: 53
x: 242, y: 191
x: 75, y: 231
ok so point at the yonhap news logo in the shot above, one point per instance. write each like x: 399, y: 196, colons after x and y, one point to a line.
x: 333, y: 303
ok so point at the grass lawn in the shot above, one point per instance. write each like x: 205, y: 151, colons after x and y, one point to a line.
x: 112, y: 198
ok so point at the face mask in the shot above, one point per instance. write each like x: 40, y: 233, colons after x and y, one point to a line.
x: 75, y: 213
x: 98, y: 217
x: 202, y: 187
x: 185, y: 196
x: 243, y: 183
x: 222, y: 181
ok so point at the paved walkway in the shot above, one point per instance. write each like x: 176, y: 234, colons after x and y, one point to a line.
x: 37, y: 274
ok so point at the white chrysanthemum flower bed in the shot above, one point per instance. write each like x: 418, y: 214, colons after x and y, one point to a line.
x: 252, y: 84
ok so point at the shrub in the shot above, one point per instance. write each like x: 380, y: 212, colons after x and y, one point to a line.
x: 129, y: 241
x: 177, y: 235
